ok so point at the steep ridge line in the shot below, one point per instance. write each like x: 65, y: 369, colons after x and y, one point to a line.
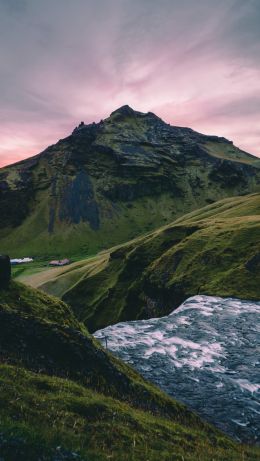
x: 109, y: 182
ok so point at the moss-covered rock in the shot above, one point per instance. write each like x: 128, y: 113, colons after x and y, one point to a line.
x: 111, y: 181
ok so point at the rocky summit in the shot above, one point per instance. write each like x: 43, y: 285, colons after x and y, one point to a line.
x: 110, y: 181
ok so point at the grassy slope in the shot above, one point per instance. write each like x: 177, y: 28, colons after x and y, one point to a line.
x: 61, y: 393
x: 32, y: 237
x: 206, y: 251
x: 229, y: 151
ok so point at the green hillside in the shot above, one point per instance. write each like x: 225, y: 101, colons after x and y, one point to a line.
x: 214, y: 251
x: 64, y: 398
x: 109, y: 182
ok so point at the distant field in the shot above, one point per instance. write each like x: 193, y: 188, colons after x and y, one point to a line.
x: 38, y: 273
x: 40, y: 269
x: 28, y: 269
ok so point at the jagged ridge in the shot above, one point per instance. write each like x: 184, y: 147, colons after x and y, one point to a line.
x: 110, y: 181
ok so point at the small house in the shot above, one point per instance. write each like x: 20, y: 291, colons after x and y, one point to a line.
x: 59, y: 262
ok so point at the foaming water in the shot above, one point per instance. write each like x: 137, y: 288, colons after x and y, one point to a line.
x: 205, y: 354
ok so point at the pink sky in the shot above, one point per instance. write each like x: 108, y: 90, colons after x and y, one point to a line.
x: 194, y: 64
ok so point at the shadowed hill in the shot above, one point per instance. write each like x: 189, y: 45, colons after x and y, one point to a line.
x: 63, y: 397
x: 109, y: 182
x: 214, y: 251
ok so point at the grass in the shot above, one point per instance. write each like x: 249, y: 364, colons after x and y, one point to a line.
x: 229, y: 151
x: 46, y: 416
x: 41, y: 333
x: 63, y: 397
x: 20, y: 299
x: 41, y: 265
x: 207, y: 251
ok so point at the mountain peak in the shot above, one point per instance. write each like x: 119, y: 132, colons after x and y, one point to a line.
x: 124, y: 110
x: 102, y: 177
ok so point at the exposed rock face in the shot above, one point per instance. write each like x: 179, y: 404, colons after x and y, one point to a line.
x: 76, y: 202
x: 127, y: 174
x: 5, y: 271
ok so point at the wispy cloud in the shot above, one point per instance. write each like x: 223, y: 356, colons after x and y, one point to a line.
x: 193, y: 63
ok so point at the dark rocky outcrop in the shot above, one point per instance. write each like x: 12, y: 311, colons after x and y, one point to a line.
x: 78, y: 202
x: 5, y: 271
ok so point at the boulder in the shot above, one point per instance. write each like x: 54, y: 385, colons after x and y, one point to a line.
x: 5, y: 271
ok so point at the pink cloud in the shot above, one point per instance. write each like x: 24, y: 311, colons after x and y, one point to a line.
x: 193, y: 65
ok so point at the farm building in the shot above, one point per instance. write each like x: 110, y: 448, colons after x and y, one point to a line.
x: 60, y: 262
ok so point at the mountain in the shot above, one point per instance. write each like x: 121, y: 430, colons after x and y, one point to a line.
x: 64, y: 398
x: 110, y: 181
x: 214, y: 250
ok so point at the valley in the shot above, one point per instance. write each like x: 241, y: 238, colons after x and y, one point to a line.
x: 213, y: 251
x: 160, y: 230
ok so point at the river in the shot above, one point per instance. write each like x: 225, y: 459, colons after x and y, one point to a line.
x: 205, y: 354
